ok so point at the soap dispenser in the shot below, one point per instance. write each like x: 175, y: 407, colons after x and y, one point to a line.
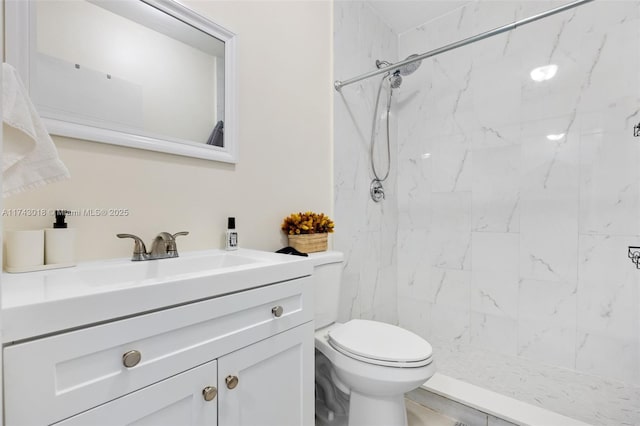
x: 59, y: 242
x: 231, y: 237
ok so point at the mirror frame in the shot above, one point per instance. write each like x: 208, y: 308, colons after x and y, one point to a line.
x: 20, y: 37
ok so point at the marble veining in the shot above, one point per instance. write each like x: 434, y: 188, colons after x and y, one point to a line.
x: 510, y: 204
x: 367, y: 231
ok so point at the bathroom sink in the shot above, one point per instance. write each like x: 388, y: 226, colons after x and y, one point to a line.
x: 162, y: 269
x: 35, y: 303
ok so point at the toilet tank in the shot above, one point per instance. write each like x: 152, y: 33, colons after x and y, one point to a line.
x: 327, y: 276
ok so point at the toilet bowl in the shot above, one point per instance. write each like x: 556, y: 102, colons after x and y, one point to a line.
x: 371, y: 362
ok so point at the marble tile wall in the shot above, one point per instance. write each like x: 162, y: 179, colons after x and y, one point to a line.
x: 512, y: 244
x: 504, y: 248
x: 365, y: 231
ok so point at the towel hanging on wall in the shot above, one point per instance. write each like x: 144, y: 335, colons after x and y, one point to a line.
x: 29, y: 157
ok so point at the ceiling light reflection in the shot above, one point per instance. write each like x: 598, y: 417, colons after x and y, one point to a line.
x: 555, y: 137
x: 544, y: 73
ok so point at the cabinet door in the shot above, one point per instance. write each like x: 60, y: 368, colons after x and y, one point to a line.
x: 269, y: 383
x: 179, y: 400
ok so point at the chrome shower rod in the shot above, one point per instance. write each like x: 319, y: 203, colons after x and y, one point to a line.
x: 340, y: 84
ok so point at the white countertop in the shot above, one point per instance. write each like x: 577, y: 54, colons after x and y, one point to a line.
x: 44, y: 302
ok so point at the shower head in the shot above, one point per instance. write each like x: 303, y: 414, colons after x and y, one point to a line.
x: 395, y: 80
x: 411, y: 67
x: 403, y: 70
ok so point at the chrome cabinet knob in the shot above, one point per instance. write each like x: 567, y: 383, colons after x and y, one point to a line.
x: 232, y: 381
x: 209, y: 393
x: 131, y: 358
x: 277, y: 311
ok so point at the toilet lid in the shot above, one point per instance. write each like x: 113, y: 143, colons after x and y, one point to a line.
x: 377, y: 341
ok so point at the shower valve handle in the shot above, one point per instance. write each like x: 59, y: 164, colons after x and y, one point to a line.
x: 376, y: 190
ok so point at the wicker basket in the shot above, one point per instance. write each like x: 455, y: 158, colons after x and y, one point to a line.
x: 308, y: 243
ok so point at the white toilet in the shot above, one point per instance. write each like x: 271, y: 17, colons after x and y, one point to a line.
x: 363, y: 368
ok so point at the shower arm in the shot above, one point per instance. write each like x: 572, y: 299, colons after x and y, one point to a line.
x: 338, y: 85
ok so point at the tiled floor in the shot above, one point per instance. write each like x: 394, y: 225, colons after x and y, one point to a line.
x: 418, y: 415
x: 475, y: 406
x: 455, y: 413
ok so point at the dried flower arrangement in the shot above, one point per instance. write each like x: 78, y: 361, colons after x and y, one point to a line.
x: 307, y: 223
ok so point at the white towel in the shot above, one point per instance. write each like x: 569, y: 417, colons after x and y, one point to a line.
x: 29, y: 157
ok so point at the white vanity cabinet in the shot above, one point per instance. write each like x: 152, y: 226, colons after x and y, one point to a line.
x: 238, y: 359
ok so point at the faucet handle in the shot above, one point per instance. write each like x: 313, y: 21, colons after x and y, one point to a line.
x: 171, y: 246
x: 139, y: 249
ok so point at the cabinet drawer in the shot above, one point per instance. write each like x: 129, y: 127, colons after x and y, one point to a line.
x: 67, y: 373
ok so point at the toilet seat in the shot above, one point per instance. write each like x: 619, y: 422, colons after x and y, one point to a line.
x: 380, y: 344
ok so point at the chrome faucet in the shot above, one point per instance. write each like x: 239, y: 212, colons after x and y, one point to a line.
x: 163, y: 246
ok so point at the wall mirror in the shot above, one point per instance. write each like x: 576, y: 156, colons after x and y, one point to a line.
x: 149, y: 74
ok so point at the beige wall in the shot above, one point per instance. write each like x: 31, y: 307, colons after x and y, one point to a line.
x: 285, y: 158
